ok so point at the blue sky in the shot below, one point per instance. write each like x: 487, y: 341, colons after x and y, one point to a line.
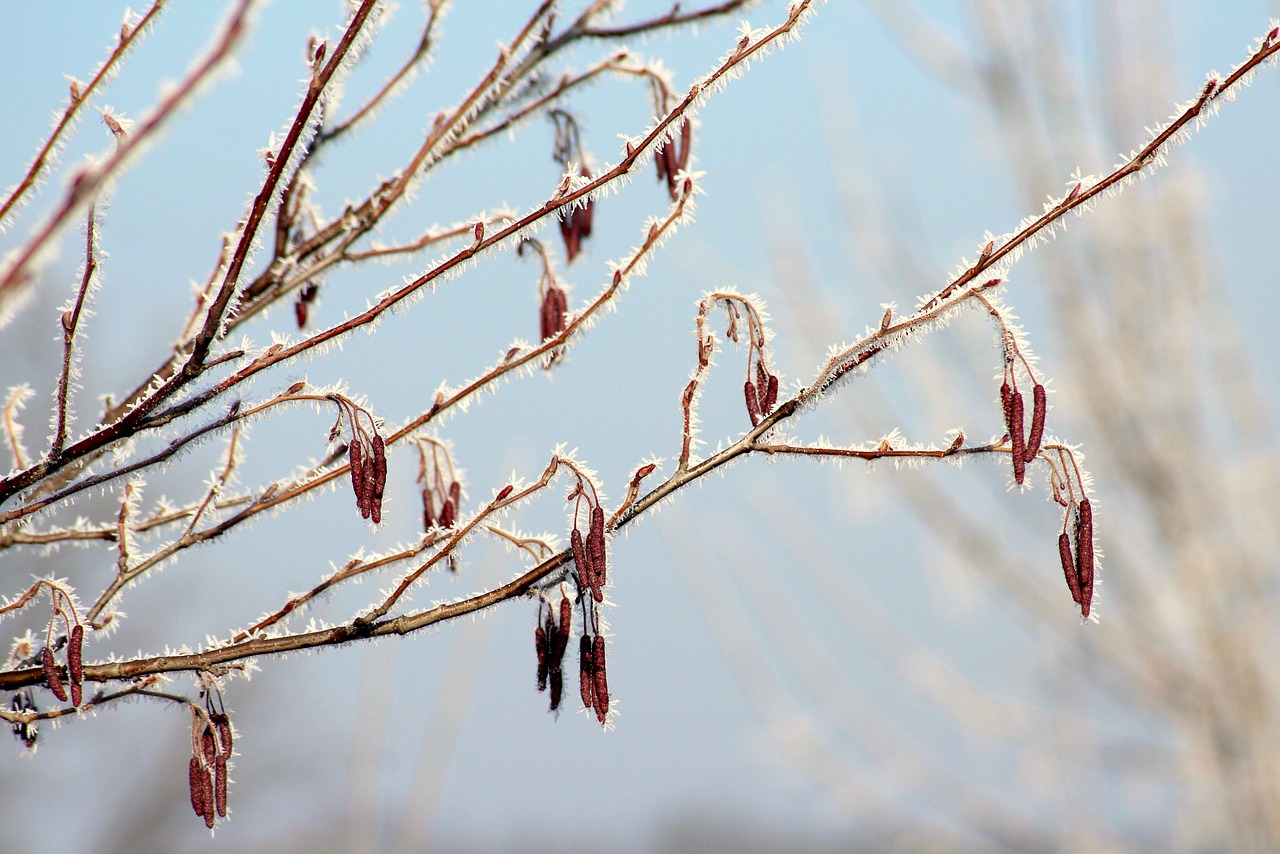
x: 333, y: 743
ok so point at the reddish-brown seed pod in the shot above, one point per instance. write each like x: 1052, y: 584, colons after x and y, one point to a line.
x: 1069, y: 565
x: 504, y: 492
x: 1084, y: 555
x: 600, y: 690
x: 595, y: 548
x: 77, y: 694
x: 1018, y: 438
x: 220, y: 785
x: 52, y: 675
x: 753, y: 403
x: 585, y: 576
x: 586, y: 672
x: 447, y: 515
x: 455, y: 493
x: 585, y: 215
x: 300, y: 313
x: 197, y: 787
x: 1038, y: 408
x: 762, y: 385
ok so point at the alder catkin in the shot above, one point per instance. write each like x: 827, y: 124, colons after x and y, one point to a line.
x: 1038, y: 408
x: 1018, y: 438
x: 585, y: 576
x: 1084, y: 555
x: 596, y: 550
x: 1069, y: 565
x: 197, y: 787
x: 51, y: 675
x: 753, y: 403
x: 600, y: 690
x: 586, y: 672
x: 220, y: 785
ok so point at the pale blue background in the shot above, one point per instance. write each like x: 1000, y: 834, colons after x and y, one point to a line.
x: 329, y: 742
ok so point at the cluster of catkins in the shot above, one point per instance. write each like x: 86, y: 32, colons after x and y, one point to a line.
x: 673, y: 156
x: 761, y: 393
x: 75, y: 668
x: 368, y: 473
x: 1025, y: 446
x: 207, y: 771
x: 1078, y: 568
x: 555, y: 626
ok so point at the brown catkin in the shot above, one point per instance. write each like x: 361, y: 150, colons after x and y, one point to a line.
x: 762, y: 387
x: 223, y: 726
x: 540, y: 645
x: 220, y: 784
x: 1038, y: 408
x: 379, y: 467
x: 585, y: 576
x: 557, y: 688
x: 52, y: 675
x: 1069, y: 565
x: 446, y: 515
x: 356, y: 455
x: 595, y: 547
x: 197, y: 787
x: 566, y: 622
x: 1084, y: 555
x: 1006, y: 405
x: 75, y: 655
x: 600, y: 691
x: 771, y: 397
x: 753, y: 403
x: 1018, y: 438
x: 686, y: 144
x: 586, y: 672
